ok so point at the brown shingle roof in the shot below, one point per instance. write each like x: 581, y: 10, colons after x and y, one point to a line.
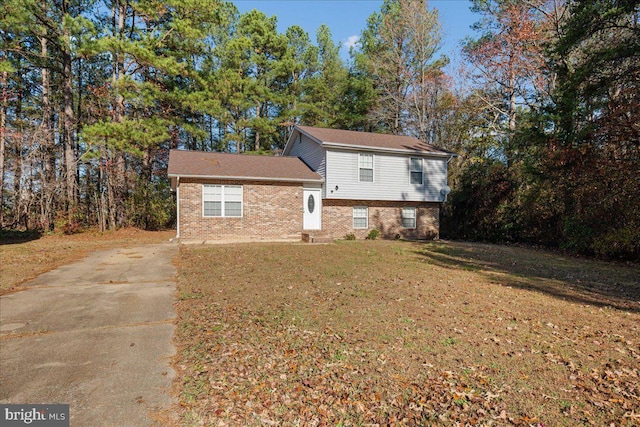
x: 238, y: 166
x: 370, y: 140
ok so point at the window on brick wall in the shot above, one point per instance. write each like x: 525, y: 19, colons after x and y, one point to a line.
x: 221, y: 200
x: 360, y: 217
x: 365, y: 164
x: 409, y: 217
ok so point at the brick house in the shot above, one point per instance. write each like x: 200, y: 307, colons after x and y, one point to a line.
x: 327, y: 183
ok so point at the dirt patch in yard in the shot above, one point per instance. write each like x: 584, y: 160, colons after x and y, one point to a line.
x: 400, y: 333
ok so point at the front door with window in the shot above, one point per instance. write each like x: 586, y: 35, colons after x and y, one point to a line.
x: 312, y: 209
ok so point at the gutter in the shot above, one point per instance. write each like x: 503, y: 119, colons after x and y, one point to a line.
x: 245, y: 178
x: 385, y: 150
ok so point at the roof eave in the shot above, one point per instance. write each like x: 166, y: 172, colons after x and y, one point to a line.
x: 385, y: 149
x: 244, y: 178
x: 286, y: 146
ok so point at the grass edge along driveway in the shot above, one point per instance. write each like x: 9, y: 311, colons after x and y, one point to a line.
x: 24, y: 256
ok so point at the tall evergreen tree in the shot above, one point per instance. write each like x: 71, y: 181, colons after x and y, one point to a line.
x: 399, y: 51
x: 324, y: 88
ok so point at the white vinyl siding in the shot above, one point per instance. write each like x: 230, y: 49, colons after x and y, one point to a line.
x: 415, y: 171
x: 311, y: 153
x: 360, y: 217
x: 365, y: 166
x: 409, y: 217
x: 221, y: 200
x: 391, y: 178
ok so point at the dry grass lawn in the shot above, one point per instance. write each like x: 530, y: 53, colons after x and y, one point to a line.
x: 400, y: 333
x: 23, y: 258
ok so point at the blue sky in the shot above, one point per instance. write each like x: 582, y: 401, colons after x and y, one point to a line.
x: 347, y: 19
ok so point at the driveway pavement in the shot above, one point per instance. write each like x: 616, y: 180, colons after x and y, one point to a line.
x: 96, y: 334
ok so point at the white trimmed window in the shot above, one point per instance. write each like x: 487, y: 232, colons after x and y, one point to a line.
x: 408, y: 217
x: 415, y: 170
x: 360, y: 217
x: 365, y: 165
x: 221, y: 200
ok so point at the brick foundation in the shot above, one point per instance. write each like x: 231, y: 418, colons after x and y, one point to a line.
x: 337, y: 219
x: 270, y: 211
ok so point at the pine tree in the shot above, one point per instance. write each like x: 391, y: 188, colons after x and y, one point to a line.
x: 399, y: 52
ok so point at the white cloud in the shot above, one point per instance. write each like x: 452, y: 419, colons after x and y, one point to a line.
x: 352, y: 41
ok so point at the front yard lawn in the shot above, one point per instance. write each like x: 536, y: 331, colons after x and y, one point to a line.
x: 401, y: 333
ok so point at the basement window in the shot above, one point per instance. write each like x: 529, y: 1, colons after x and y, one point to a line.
x: 360, y: 217
x: 408, y: 217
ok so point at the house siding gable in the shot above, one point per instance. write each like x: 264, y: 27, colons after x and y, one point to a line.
x: 391, y: 178
x: 310, y: 152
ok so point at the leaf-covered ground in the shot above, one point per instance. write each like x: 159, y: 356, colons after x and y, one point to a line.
x: 400, y: 333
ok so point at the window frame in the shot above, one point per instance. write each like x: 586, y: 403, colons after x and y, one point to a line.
x: 360, y: 167
x: 414, y: 218
x: 223, y: 201
x: 412, y: 171
x: 354, y: 217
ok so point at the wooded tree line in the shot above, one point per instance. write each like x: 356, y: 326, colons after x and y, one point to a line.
x: 95, y: 92
x: 554, y: 159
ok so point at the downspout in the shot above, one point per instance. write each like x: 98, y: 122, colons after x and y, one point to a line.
x: 177, y: 207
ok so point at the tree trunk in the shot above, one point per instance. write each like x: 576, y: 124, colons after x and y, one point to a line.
x: 511, y: 91
x: 82, y: 177
x: 69, y: 121
x: 118, y: 182
x: 49, y: 157
x: 18, y: 168
x: 111, y: 192
x: 102, y: 211
x: 256, y: 146
x: 512, y: 104
x: 4, y: 95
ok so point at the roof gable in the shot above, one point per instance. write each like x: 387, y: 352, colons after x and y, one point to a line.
x: 200, y: 164
x: 367, y: 140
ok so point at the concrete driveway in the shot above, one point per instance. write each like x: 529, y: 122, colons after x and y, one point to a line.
x: 96, y: 334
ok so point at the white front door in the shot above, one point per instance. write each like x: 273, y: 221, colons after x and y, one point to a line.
x: 312, y: 209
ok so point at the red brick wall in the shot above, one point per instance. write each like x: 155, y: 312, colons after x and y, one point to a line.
x: 337, y: 219
x: 270, y: 211
x: 275, y: 211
